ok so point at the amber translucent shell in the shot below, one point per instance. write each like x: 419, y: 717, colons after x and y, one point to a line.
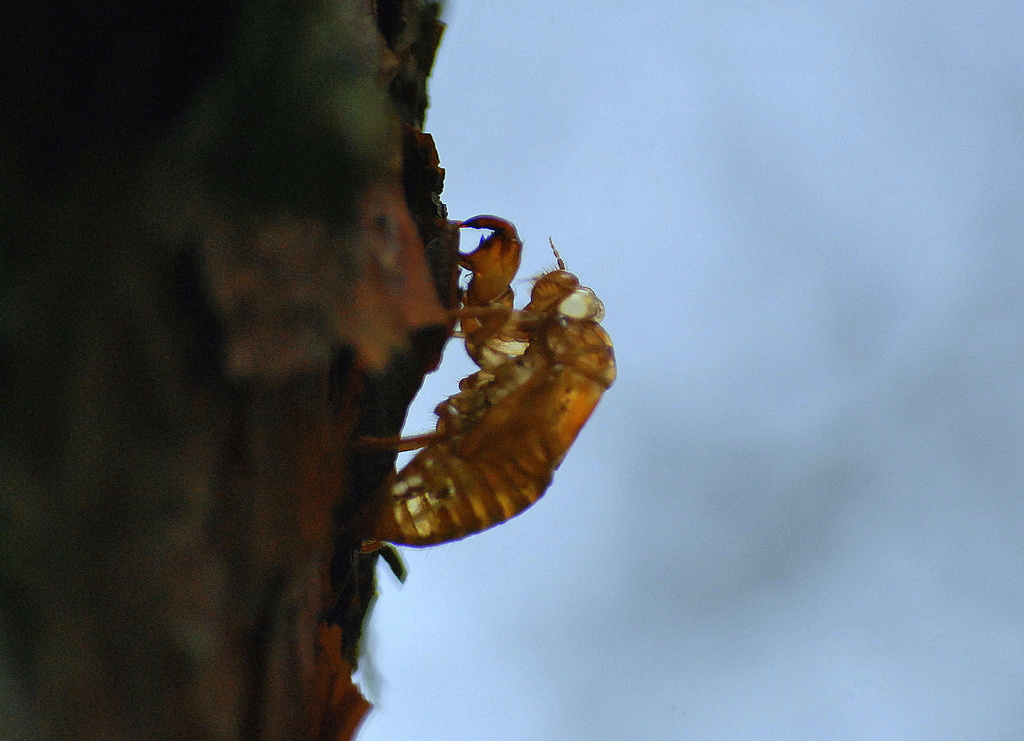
x: 467, y: 483
x: 499, y: 440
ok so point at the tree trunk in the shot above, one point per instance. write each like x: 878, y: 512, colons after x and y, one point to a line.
x: 214, y: 277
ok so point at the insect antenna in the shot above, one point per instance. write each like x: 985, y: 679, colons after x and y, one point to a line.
x: 561, y: 263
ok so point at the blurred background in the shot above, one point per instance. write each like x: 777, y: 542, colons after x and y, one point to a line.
x: 797, y: 514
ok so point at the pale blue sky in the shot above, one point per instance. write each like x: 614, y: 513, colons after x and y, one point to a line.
x: 798, y: 513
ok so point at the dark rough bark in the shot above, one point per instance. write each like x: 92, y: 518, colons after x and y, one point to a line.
x: 213, y: 219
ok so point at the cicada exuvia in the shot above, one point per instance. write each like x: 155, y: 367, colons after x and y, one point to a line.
x: 543, y: 370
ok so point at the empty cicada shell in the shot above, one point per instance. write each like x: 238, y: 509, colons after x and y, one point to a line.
x: 500, y: 438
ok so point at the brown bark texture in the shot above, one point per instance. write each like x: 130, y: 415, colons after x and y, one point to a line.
x: 223, y: 257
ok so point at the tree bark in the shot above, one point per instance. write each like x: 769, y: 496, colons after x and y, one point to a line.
x: 224, y: 257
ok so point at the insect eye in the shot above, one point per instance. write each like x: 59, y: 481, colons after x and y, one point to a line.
x: 582, y: 304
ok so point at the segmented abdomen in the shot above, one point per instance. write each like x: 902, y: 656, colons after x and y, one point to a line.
x: 461, y: 486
